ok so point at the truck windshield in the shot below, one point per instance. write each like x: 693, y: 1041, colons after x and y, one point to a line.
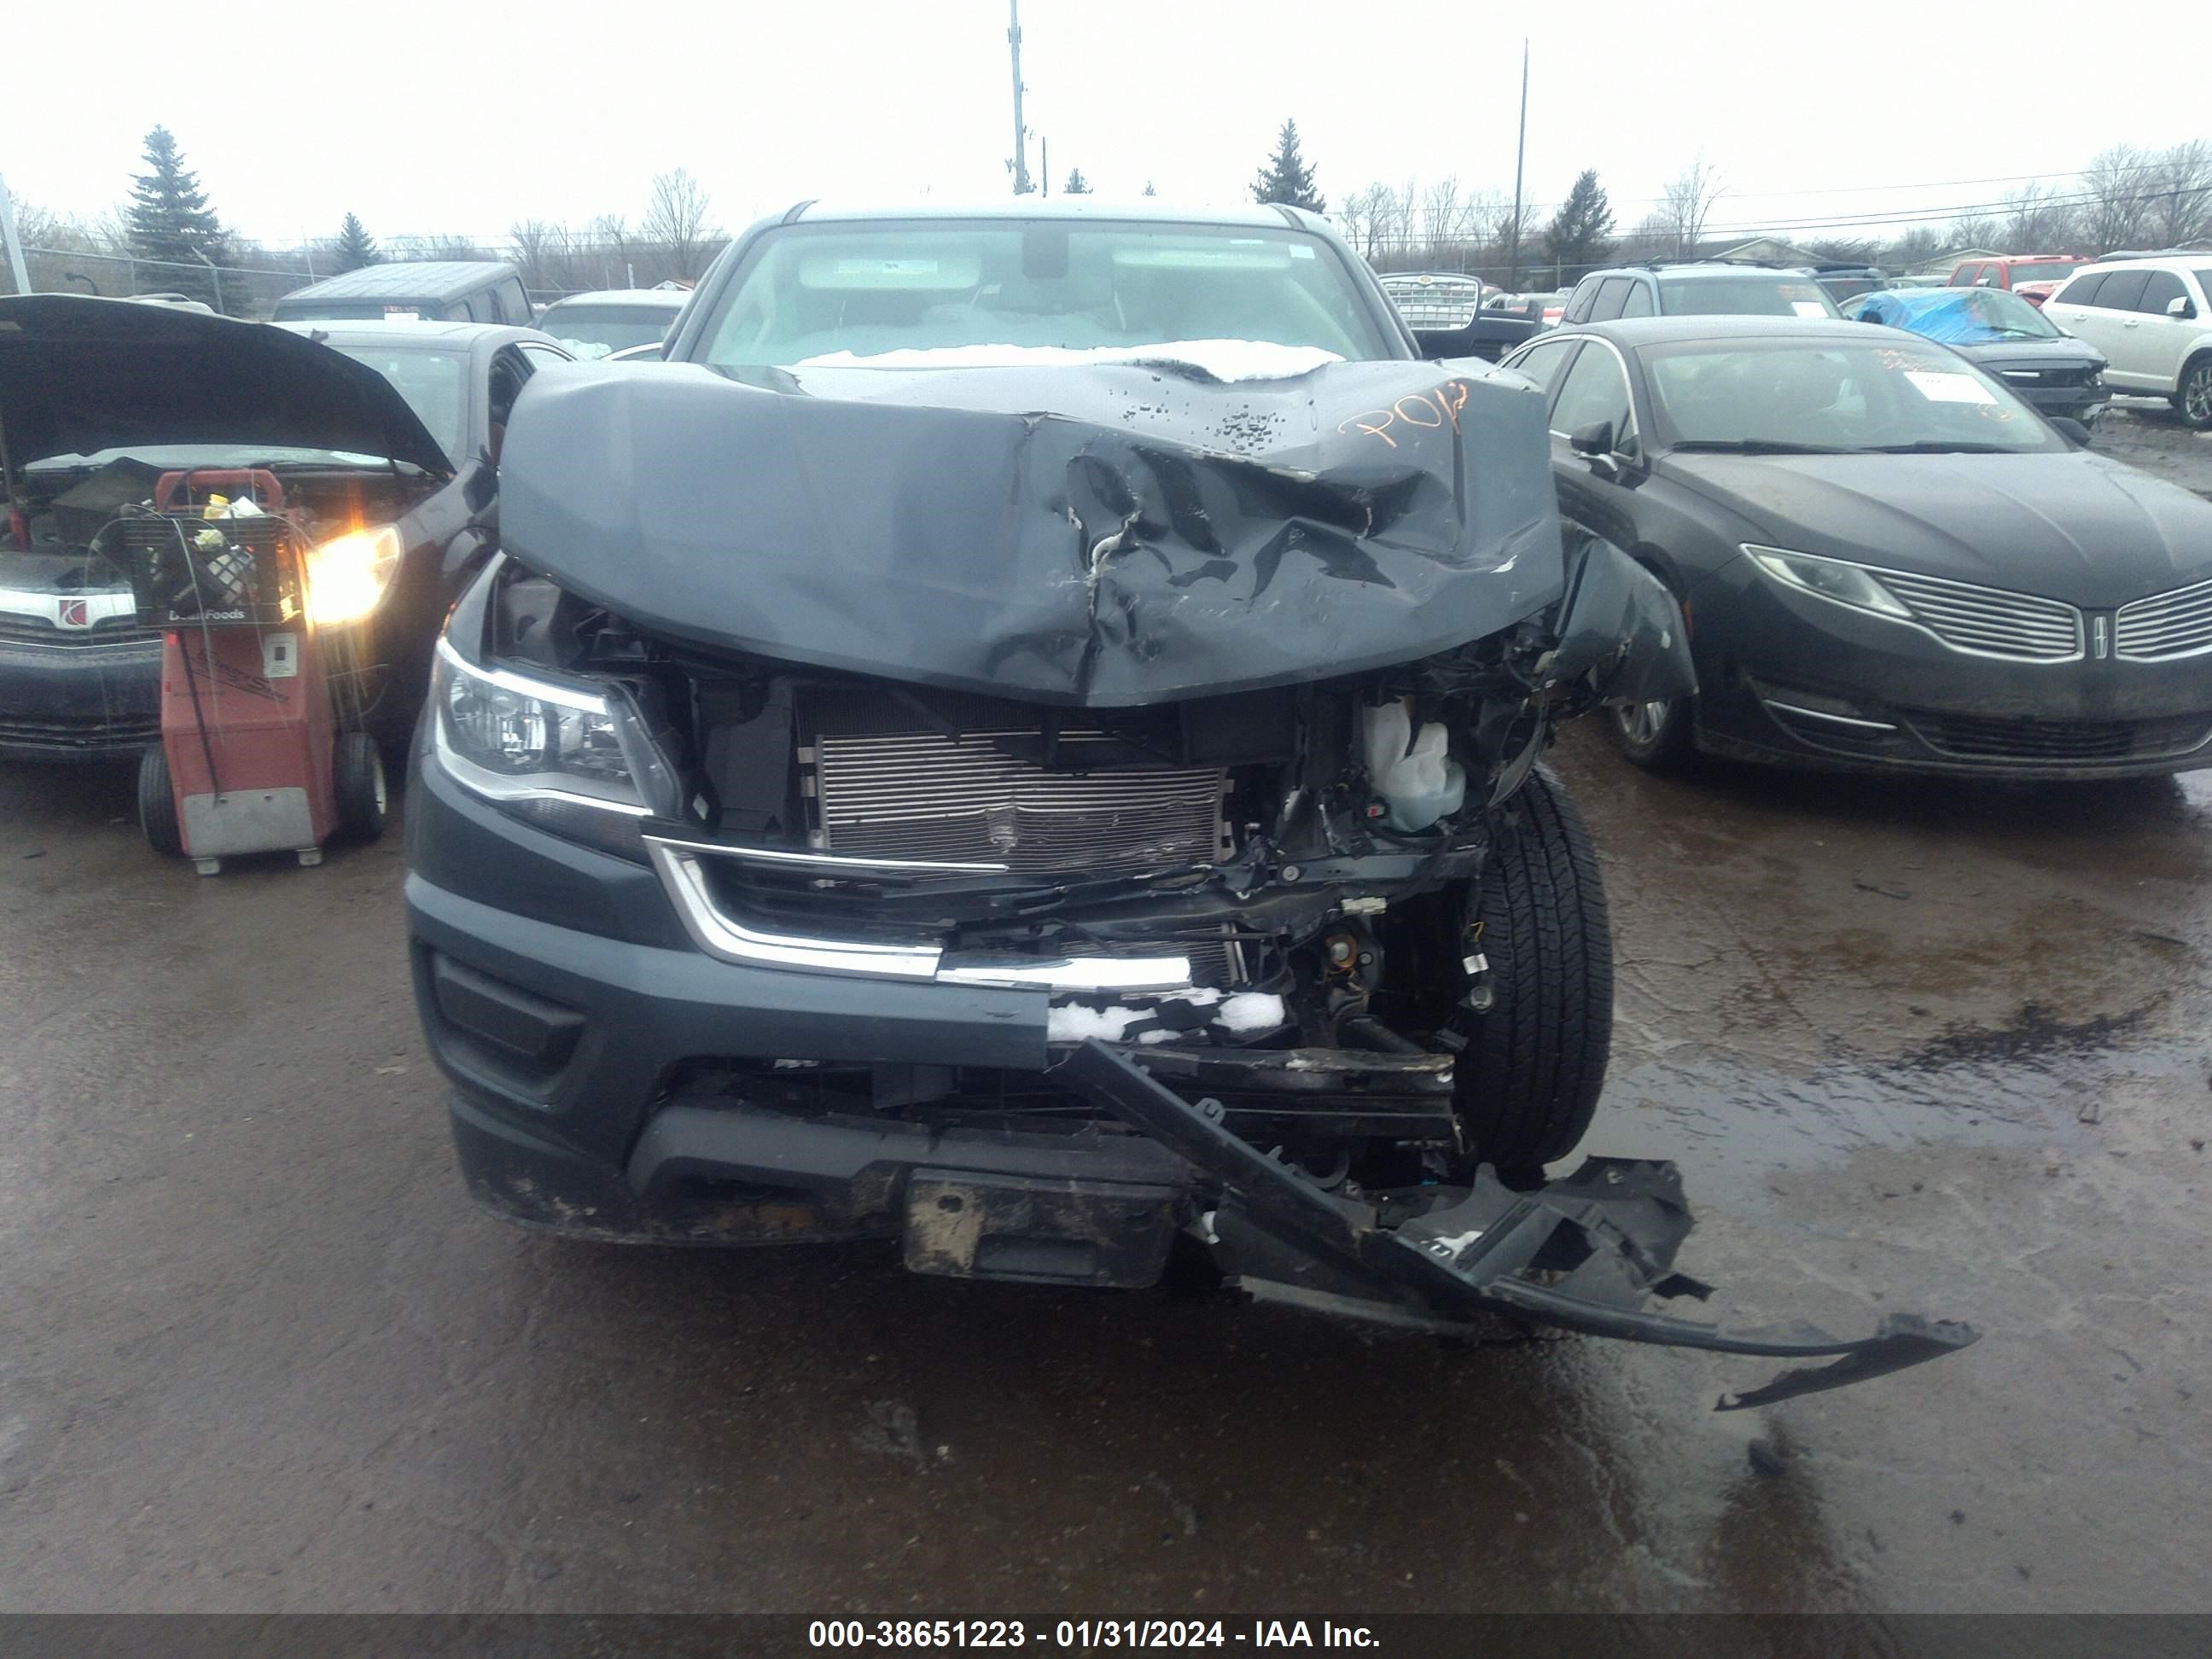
x: 808, y: 291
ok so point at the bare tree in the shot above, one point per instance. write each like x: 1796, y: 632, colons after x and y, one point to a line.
x: 539, y: 245
x: 2119, y: 184
x: 1916, y: 247
x: 1364, y: 214
x: 2181, y: 203
x: 675, y: 218
x: 2038, y: 219
x: 1651, y: 237
x: 1688, y: 203
x: 1970, y: 230
x: 1443, y: 223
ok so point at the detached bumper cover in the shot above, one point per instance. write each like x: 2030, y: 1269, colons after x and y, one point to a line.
x: 1586, y: 1252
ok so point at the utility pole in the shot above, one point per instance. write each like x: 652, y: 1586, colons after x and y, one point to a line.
x: 1021, y: 133
x: 1045, y: 166
x: 15, y: 242
x: 1520, y: 155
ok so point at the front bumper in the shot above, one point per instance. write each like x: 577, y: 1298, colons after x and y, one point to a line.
x: 79, y: 701
x: 1788, y: 678
x: 568, y: 1010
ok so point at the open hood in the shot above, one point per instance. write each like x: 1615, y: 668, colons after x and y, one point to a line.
x: 1102, y: 534
x: 79, y: 376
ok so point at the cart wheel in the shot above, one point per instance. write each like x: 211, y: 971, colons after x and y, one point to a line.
x: 157, y: 804
x: 357, y: 780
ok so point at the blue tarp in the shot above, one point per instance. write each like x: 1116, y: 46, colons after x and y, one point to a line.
x: 1952, y: 315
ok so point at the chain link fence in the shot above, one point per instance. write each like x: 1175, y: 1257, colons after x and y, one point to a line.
x: 238, y: 290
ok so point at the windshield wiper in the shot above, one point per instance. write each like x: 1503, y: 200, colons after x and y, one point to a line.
x: 1942, y: 446
x: 1760, y: 447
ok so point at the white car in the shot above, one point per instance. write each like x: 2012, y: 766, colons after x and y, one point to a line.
x: 2153, y: 320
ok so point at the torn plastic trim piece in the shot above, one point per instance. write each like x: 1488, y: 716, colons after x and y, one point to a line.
x: 1609, y: 1230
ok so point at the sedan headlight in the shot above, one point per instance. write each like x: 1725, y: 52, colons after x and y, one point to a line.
x: 573, y: 759
x: 347, y: 575
x: 1831, y: 579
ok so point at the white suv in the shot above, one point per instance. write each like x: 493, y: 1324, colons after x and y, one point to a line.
x: 2153, y: 320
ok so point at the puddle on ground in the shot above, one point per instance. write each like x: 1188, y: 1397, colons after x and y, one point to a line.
x: 1733, y: 1120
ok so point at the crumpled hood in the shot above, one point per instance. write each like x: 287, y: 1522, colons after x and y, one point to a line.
x: 79, y: 376
x: 1107, y: 535
x: 2073, y: 526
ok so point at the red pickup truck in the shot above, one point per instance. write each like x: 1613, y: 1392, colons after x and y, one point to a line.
x: 2031, y: 275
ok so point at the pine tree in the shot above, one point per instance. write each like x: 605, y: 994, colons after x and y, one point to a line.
x: 171, y: 222
x: 1149, y: 190
x: 1287, y: 178
x: 356, y: 247
x: 1077, y: 184
x: 1580, y: 232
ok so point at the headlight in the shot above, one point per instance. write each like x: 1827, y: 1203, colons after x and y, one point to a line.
x: 577, y: 761
x: 1831, y: 579
x: 347, y: 575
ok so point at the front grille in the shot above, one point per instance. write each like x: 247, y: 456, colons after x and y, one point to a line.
x: 1973, y: 736
x: 39, y: 630
x: 922, y: 795
x: 2176, y: 625
x: 67, y: 732
x: 1442, y: 302
x: 1991, y: 622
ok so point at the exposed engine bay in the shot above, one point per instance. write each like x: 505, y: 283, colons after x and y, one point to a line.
x: 1208, y: 718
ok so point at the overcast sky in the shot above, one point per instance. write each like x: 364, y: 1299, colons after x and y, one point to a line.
x: 468, y: 116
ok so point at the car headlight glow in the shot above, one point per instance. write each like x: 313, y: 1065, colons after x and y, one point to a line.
x: 1830, y: 579
x: 574, y: 759
x: 347, y: 574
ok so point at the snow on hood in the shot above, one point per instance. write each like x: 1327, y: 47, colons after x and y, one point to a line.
x: 1215, y: 360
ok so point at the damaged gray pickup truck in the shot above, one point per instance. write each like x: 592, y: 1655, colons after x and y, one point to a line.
x: 1022, y: 739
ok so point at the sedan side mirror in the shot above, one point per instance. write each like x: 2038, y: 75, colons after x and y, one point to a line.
x: 1593, y: 439
x: 2070, y: 429
x: 2180, y: 308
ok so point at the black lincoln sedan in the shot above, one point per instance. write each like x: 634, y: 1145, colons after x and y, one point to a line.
x: 1884, y: 558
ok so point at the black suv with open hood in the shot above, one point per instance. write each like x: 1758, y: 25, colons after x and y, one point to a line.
x: 1022, y: 739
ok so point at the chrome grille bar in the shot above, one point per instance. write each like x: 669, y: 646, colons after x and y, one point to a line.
x: 1989, y: 622
x: 2173, y: 624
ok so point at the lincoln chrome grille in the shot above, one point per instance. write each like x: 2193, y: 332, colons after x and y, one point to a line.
x: 2175, y: 625
x: 1988, y: 621
x: 924, y: 796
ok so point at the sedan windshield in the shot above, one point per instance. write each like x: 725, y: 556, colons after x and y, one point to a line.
x: 1833, y: 397
x: 434, y: 383
x: 593, y: 330
x: 822, y: 291
x: 1754, y: 294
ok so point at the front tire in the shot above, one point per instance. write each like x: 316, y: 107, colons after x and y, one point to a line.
x: 2192, y: 394
x: 358, y: 784
x: 157, y: 803
x: 1656, y: 736
x: 1528, y: 1079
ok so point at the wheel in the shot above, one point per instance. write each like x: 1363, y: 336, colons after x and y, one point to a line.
x: 1529, y: 1078
x: 2192, y: 395
x: 157, y: 804
x: 1655, y: 735
x: 357, y: 781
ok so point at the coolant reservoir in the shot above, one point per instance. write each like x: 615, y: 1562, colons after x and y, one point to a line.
x: 1418, y: 780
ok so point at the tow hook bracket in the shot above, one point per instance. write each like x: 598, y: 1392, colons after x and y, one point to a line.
x: 1586, y: 1252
